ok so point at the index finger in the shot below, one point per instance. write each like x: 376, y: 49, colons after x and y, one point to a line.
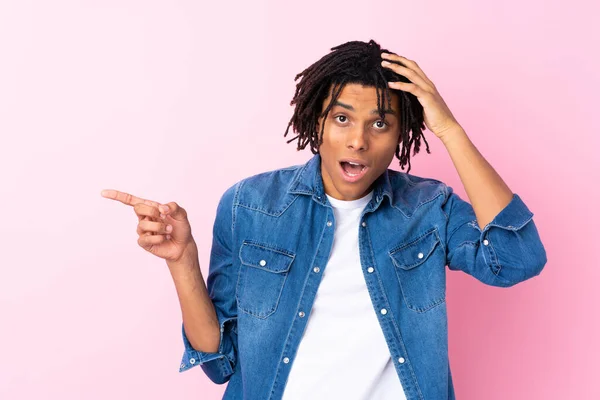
x: 126, y: 198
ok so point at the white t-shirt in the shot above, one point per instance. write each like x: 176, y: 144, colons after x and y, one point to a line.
x: 343, y: 353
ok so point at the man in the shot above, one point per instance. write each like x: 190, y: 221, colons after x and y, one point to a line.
x: 327, y: 280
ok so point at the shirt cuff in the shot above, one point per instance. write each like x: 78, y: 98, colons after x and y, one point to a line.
x: 512, y: 217
x: 223, y: 357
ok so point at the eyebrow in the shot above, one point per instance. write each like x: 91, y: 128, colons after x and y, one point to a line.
x: 349, y: 107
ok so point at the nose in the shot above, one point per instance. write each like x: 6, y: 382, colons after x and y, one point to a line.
x: 357, y: 139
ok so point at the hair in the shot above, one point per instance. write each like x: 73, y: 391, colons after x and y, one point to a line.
x: 353, y: 62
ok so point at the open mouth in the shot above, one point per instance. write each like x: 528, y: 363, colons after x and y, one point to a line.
x: 352, y: 171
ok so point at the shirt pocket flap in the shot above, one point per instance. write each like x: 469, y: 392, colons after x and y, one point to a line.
x: 266, y: 258
x: 415, y: 253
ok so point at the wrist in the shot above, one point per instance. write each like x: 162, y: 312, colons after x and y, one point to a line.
x: 453, y: 136
x: 189, y: 257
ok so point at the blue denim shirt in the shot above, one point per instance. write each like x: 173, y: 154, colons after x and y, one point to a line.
x: 272, y: 237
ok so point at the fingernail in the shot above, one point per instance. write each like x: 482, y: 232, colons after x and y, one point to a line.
x: 164, y: 208
x: 169, y: 228
x: 168, y: 237
x: 162, y: 216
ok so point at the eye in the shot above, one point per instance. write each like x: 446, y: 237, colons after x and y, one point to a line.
x: 385, y: 124
x: 340, y: 116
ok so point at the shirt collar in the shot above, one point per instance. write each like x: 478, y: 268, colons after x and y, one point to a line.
x: 308, y: 181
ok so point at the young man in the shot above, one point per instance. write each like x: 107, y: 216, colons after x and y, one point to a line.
x: 327, y: 279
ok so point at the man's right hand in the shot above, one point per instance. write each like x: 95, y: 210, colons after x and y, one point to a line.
x: 163, y: 229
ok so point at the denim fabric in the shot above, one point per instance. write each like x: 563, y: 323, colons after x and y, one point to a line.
x: 272, y: 237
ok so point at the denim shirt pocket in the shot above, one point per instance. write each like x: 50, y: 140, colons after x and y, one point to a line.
x: 420, y: 267
x: 262, y: 275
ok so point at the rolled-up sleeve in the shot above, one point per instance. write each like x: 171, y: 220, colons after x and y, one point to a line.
x: 221, y: 284
x: 508, y: 250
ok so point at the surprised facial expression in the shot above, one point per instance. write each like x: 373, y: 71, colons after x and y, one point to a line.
x: 358, y: 145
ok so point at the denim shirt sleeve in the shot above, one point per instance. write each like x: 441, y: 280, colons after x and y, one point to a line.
x: 221, y: 284
x: 508, y: 250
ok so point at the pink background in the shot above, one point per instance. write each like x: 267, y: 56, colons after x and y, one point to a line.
x: 175, y: 101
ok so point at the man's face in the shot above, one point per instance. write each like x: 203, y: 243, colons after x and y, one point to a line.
x: 355, y: 132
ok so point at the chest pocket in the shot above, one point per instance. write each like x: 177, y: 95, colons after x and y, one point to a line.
x: 420, y: 266
x: 263, y: 273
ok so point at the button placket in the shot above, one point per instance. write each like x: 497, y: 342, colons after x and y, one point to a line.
x: 384, y: 320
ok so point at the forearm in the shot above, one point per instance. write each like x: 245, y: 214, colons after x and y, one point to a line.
x: 488, y: 193
x: 199, y: 317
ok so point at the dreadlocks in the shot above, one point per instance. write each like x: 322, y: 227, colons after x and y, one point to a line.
x: 353, y: 62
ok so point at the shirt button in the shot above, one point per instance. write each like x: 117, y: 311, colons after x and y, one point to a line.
x: 328, y: 223
x: 286, y: 360
x: 263, y: 263
x: 316, y: 269
x: 420, y: 255
x: 182, y: 365
x: 364, y: 224
x: 401, y: 360
x: 301, y: 314
x: 485, y: 242
x: 370, y: 269
x: 383, y: 311
x: 192, y: 360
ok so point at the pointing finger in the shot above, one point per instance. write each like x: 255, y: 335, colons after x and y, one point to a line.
x: 126, y: 198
